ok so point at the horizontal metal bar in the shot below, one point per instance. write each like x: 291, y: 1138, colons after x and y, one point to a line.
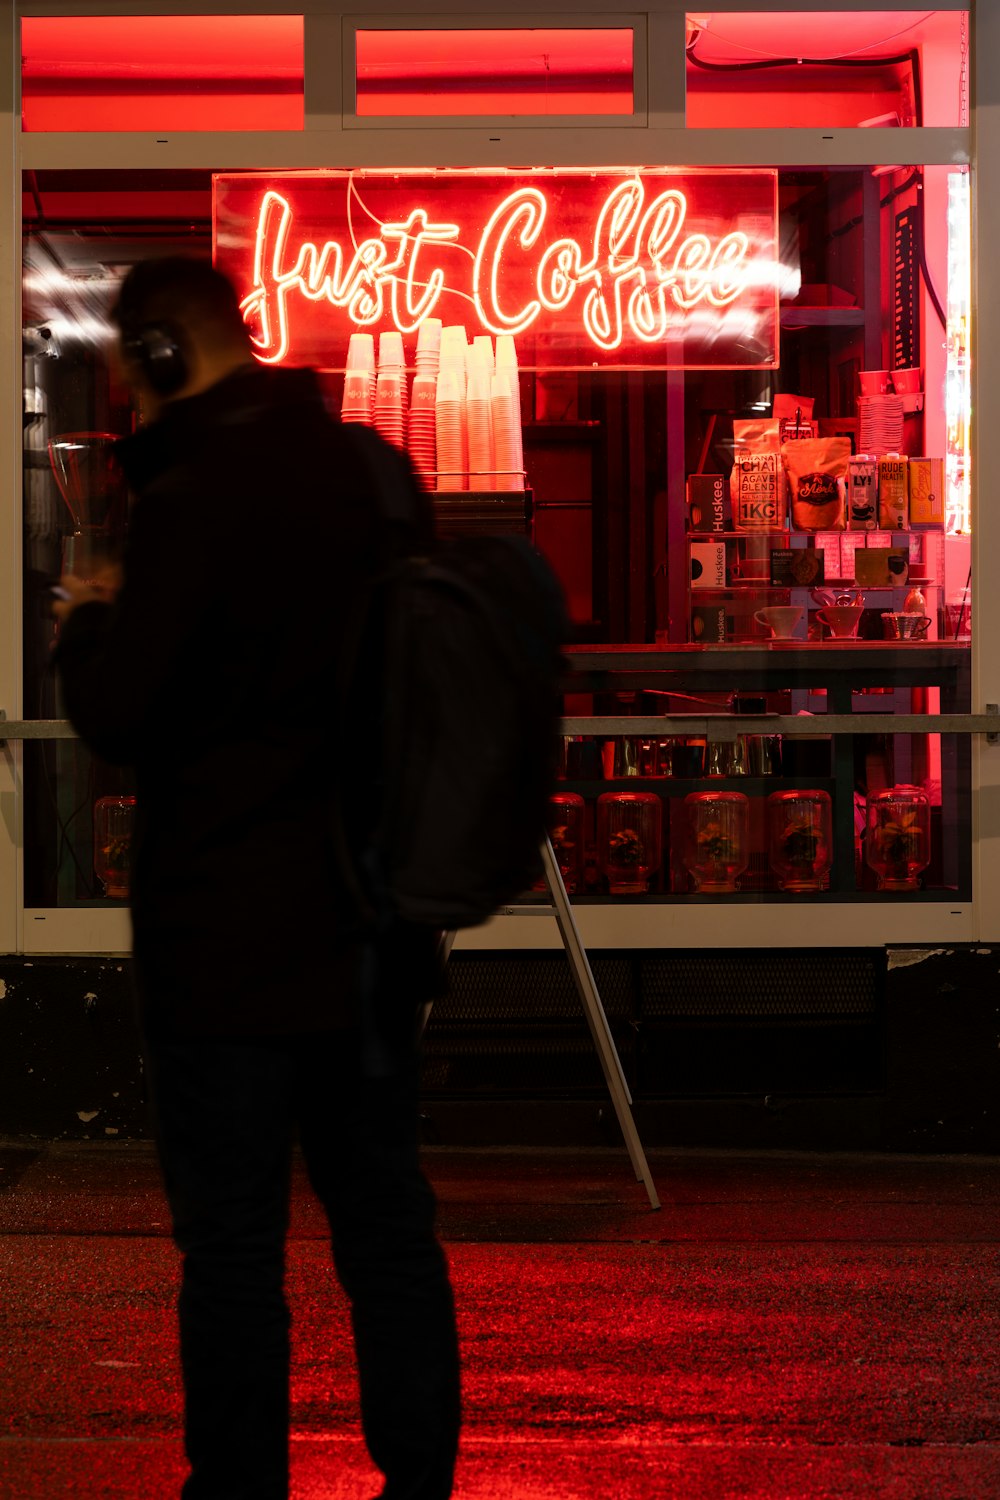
x: 35, y: 729
x: 795, y: 726
x: 712, y: 726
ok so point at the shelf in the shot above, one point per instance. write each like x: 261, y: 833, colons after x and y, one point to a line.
x: 822, y: 317
x: 681, y: 786
x: 688, y: 667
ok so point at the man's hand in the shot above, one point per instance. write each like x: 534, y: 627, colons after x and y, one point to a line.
x: 102, y: 588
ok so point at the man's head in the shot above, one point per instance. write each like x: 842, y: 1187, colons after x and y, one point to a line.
x: 181, y: 327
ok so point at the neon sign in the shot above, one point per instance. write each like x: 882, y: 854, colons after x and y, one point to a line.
x: 670, y: 269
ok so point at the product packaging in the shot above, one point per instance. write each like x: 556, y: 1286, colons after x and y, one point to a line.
x: 708, y: 503
x: 862, y: 492
x: 708, y: 565
x: 757, y: 482
x: 800, y: 568
x: 926, y: 491
x: 817, y: 480
x: 893, y: 492
x: 881, y: 567
x: 708, y: 624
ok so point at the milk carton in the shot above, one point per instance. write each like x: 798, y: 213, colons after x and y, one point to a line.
x: 893, y: 492
x: 862, y: 492
x: 926, y: 491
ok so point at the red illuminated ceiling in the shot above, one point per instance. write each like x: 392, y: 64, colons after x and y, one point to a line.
x: 536, y: 71
x: 162, y: 73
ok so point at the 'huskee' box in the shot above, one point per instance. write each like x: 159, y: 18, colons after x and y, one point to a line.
x: 708, y: 503
x: 926, y: 491
x: 708, y: 565
x: 708, y: 624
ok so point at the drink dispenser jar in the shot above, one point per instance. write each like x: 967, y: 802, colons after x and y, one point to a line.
x: 898, y: 837
x: 629, y: 840
x: 716, y: 839
x: 800, y: 839
x: 114, y: 818
x: 565, y: 824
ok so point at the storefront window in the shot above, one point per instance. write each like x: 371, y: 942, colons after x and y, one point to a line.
x: 494, y: 71
x: 162, y: 73
x: 757, y: 509
x: 803, y: 68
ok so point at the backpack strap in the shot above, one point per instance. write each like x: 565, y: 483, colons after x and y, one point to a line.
x: 405, y: 530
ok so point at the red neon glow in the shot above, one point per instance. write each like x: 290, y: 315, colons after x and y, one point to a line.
x: 495, y: 71
x: 162, y: 73
x: 653, y: 268
x: 841, y: 68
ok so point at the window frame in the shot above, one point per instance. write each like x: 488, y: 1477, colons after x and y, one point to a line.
x: 333, y: 137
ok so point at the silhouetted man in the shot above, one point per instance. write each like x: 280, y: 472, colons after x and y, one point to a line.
x: 213, y: 672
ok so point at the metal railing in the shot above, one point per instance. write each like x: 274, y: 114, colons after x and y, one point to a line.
x: 711, y: 726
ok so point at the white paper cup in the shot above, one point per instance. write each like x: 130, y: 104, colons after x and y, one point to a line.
x: 361, y: 351
x: 390, y: 350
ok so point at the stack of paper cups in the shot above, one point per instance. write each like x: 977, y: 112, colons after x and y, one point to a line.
x: 428, y: 357
x: 506, y: 452
x: 389, y: 408
x: 359, y: 382
x: 421, y: 442
x: 391, y: 360
x: 449, y: 425
x: 507, y: 367
x: 482, y: 458
x: 482, y: 352
x: 455, y: 359
x: 357, y: 406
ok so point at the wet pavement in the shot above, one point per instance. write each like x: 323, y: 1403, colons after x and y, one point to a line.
x: 786, y: 1327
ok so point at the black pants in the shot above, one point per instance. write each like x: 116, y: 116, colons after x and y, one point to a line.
x: 225, y: 1114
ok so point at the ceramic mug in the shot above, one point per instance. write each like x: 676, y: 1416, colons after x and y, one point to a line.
x: 780, y: 619
x: 841, y: 619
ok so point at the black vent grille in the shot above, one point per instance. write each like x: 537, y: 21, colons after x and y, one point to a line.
x: 684, y: 1022
x: 530, y: 987
x: 790, y: 983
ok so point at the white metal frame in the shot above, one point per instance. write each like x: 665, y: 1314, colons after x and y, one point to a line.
x: 332, y: 137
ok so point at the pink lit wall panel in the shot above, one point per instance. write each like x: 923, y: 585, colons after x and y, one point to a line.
x: 785, y: 69
x: 495, y: 71
x: 662, y: 268
x: 162, y: 73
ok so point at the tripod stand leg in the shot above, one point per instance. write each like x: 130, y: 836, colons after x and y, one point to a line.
x: 597, y: 1020
x: 446, y: 941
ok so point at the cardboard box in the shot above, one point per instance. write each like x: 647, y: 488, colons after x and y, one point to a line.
x: 881, y: 567
x: 893, y: 492
x: 709, y: 507
x: 708, y: 565
x: 797, y: 567
x: 926, y: 491
x: 708, y: 624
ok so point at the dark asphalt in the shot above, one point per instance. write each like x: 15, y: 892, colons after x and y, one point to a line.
x: 786, y: 1328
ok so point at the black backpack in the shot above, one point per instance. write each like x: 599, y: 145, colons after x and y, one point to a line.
x: 470, y: 633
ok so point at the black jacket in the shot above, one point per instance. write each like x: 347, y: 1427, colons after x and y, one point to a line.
x: 214, y: 674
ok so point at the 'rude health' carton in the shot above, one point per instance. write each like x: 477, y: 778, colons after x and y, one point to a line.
x: 893, y: 492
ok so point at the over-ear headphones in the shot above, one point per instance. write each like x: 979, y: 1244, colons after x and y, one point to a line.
x: 157, y: 348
